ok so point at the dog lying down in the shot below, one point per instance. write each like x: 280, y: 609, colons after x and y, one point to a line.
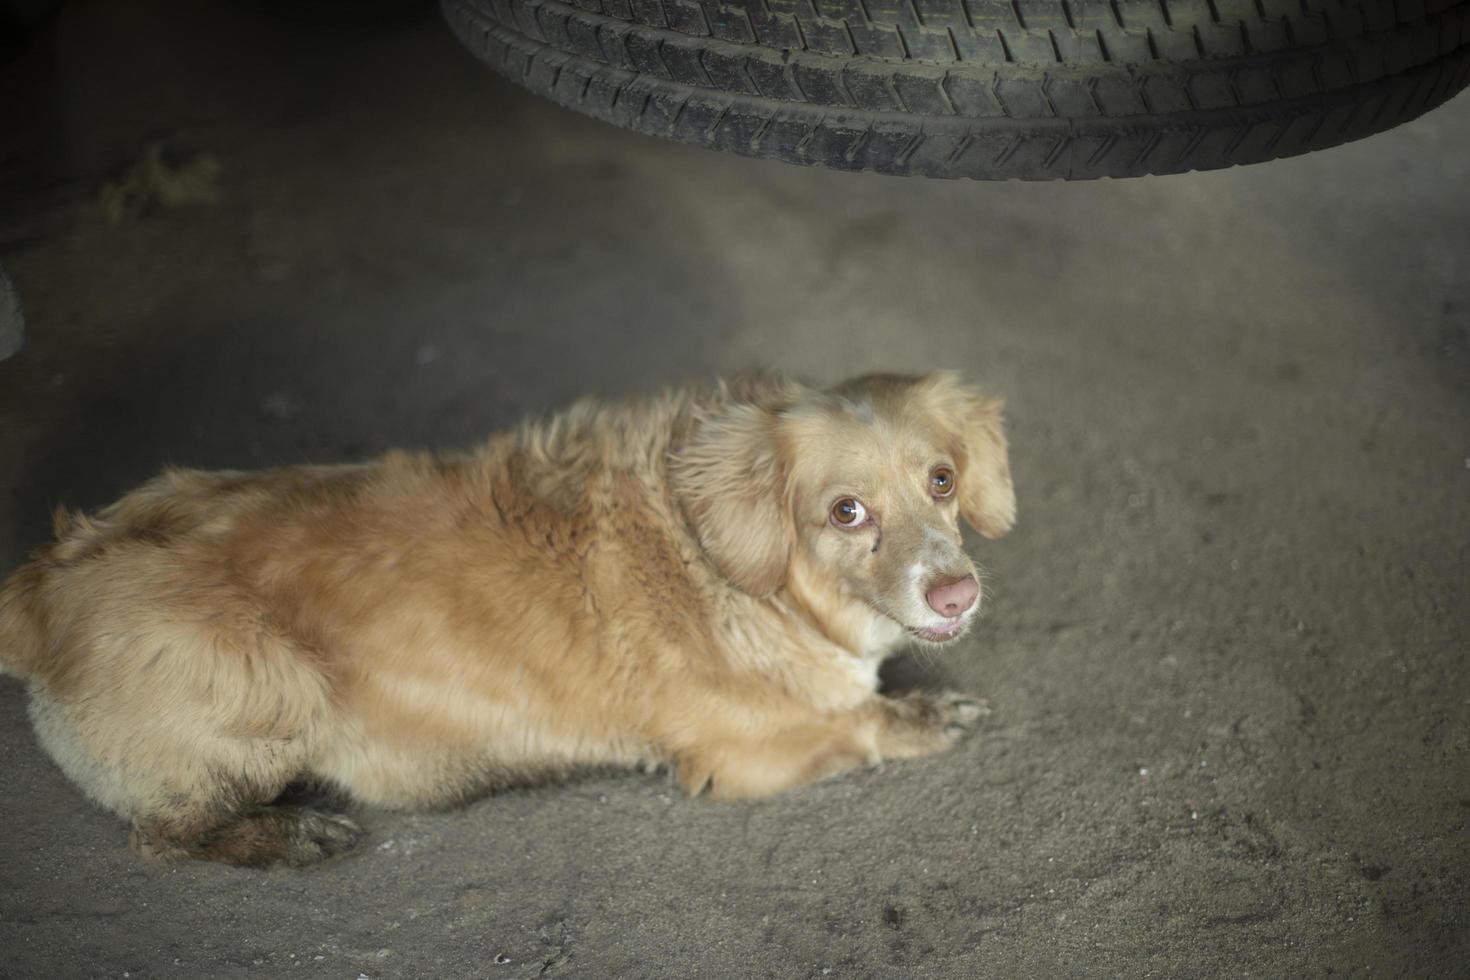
x: 707, y: 579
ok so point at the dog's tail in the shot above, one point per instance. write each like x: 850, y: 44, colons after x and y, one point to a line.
x: 22, y: 634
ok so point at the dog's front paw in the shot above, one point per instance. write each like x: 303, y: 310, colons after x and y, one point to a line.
x: 963, y: 709
x: 923, y: 722
x: 957, y: 713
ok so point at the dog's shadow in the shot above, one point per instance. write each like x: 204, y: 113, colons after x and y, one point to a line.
x: 912, y: 672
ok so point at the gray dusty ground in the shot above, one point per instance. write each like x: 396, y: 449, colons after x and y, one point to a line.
x: 1227, y: 645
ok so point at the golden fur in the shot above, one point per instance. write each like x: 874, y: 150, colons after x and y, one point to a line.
x: 655, y: 582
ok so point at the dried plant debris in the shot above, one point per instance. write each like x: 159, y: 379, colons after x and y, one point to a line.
x: 160, y: 180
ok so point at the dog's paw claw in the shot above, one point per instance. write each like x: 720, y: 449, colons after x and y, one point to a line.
x: 320, y: 836
x: 948, y: 715
x: 963, y: 709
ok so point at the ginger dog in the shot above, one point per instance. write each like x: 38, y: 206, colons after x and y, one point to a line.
x: 706, y: 580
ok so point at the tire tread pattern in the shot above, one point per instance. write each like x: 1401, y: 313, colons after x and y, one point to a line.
x: 997, y: 120
x: 1036, y: 32
x: 999, y: 91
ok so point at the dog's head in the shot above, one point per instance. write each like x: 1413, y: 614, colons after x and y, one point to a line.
x: 859, y: 487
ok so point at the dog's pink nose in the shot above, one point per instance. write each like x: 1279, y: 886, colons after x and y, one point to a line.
x: 954, y: 596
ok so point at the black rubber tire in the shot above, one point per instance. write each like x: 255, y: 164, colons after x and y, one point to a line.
x: 1031, y: 89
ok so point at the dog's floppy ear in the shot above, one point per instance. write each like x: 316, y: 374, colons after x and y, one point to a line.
x: 730, y: 478
x: 973, y: 424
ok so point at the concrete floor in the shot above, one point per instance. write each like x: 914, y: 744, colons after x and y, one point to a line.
x: 1227, y: 648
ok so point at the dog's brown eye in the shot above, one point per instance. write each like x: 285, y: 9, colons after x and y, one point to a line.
x: 941, y: 482
x: 848, y: 512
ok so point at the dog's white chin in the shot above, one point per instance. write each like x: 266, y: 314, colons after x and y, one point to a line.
x: 939, y: 634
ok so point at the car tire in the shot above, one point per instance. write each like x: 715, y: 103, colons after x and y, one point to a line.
x: 1030, y: 89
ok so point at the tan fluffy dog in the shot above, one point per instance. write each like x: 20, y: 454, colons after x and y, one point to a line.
x: 707, y: 579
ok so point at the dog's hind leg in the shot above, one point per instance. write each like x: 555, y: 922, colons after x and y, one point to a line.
x: 256, y: 836
x: 192, y: 736
x: 199, y: 795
